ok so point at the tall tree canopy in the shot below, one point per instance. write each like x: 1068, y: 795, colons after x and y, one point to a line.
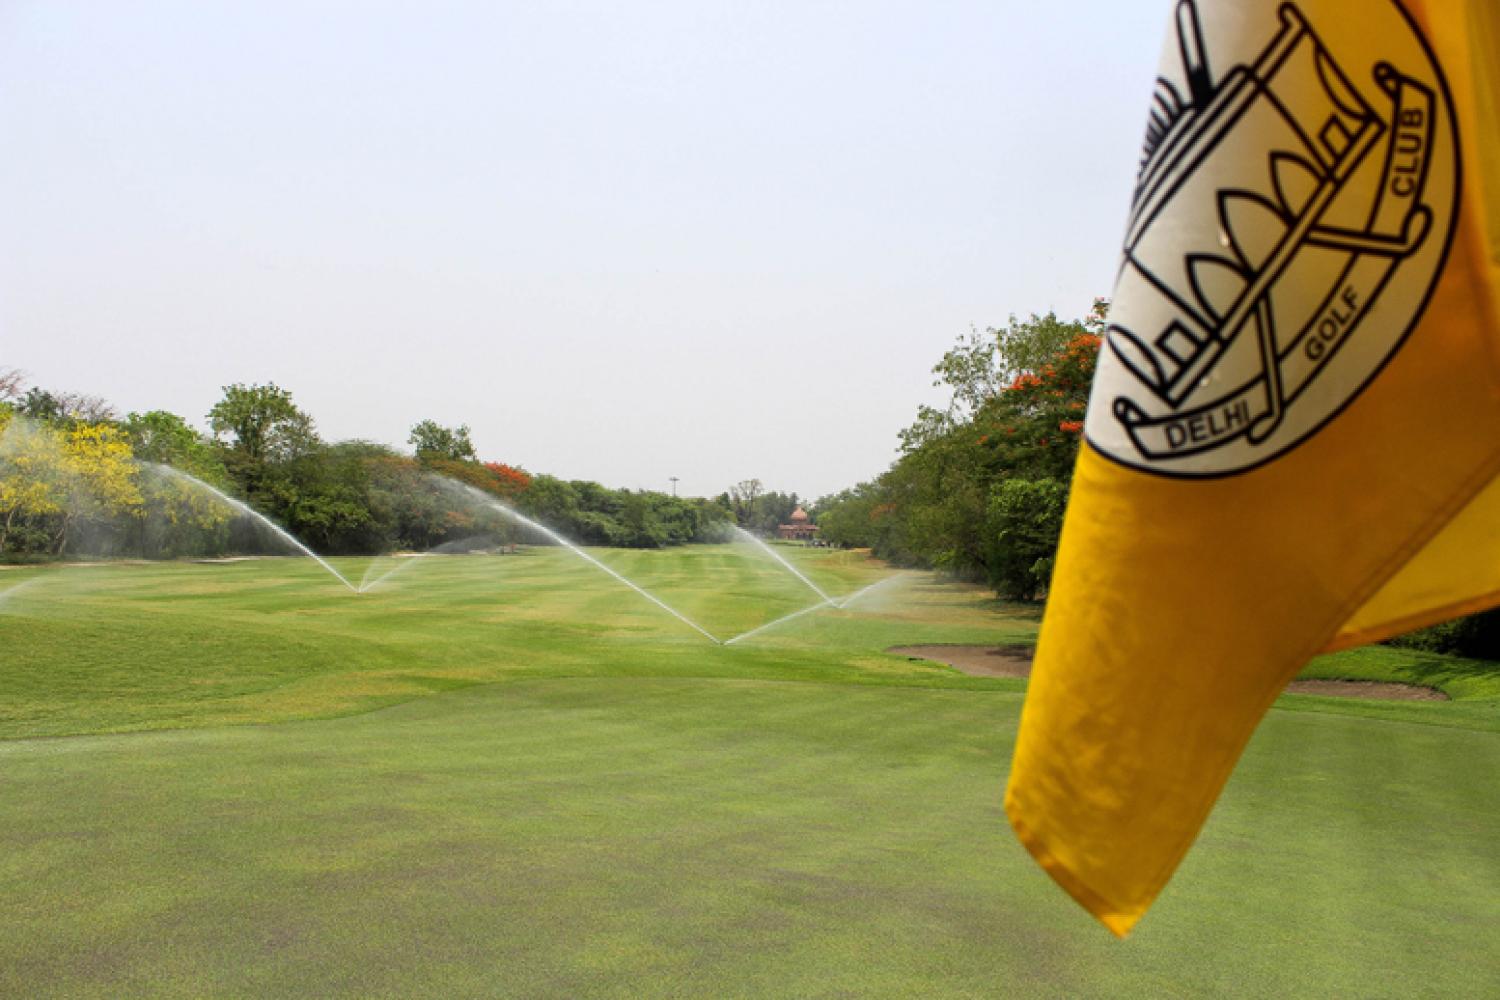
x: 434, y: 441
x: 979, y: 485
x: 742, y: 499
x: 262, y: 425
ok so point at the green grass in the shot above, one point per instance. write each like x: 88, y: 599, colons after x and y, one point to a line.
x: 128, y: 646
x: 1474, y: 686
x: 566, y: 793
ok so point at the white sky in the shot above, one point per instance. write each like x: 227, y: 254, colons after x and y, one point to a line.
x: 621, y: 241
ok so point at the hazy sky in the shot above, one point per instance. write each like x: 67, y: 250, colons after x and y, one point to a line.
x: 621, y: 241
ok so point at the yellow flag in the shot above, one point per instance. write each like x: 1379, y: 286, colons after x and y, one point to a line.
x: 1293, y: 438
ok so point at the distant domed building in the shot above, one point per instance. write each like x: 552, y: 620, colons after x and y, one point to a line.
x: 800, y: 529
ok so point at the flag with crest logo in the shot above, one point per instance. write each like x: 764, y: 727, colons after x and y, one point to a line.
x: 1293, y: 438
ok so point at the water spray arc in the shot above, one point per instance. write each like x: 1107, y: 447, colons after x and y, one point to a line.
x: 492, y: 503
x: 789, y: 567
x: 522, y: 519
x: 772, y: 624
x: 244, y: 508
x: 9, y: 592
x: 840, y: 604
x: 375, y: 577
x: 865, y: 590
x: 366, y: 583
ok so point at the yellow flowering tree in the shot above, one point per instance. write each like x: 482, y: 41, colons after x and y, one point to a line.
x: 32, y: 476
x: 52, y: 478
x: 103, y: 478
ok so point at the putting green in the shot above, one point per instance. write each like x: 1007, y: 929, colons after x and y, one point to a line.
x: 578, y: 797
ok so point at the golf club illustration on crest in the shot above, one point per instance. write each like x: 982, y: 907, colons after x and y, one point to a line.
x: 1272, y: 207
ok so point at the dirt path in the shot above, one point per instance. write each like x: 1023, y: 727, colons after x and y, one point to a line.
x: 1015, y: 661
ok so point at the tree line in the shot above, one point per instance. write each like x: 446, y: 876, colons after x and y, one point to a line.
x: 78, y: 480
x: 979, y: 486
x: 757, y: 509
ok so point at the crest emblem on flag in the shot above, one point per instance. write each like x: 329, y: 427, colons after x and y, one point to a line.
x: 1293, y: 209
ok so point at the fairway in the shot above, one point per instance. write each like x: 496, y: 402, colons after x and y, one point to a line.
x: 512, y: 776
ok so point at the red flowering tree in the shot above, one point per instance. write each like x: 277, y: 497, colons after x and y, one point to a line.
x: 508, y: 480
x: 500, y: 480
x: 1033, y: 425
x: 980, y: 486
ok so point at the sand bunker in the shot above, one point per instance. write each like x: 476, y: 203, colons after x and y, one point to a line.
x: 1015, y: 661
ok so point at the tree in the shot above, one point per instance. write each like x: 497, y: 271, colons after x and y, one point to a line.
x: 847, y: 519
x: 742, y: 497
x: 63, y: 407
x: 159, y: 436
x: 41, y: 406
x: 265, y: 428
x: 103, y: 479
x: 641, y: 519
x: 82, y: 407
x: 32, y: 479
x: 1033, y: 427
x: 981, y: 366
x: 1477, y: 636
x: 164, y: 438
x: 551, y: 501
x: 1024, y: 523
x: 411, y: 508
x: 262, y: 422
x: 434, y: 441
x: 12, y: 381
x: 772, y: 509
x: 1015, y: 414
x: 494, y: 478
x: 179, y: 517
x: 96, y: 487
x: 53, y: 479
x: 509, y: 480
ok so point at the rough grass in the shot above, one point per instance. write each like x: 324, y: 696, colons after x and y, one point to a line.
x: 1474, y: 686
x: 578, y: 797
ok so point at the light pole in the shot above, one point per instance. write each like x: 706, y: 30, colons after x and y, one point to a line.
x: 674, y: 484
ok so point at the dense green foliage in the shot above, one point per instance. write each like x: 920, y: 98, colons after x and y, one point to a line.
x: 1477, y: 636
x: 76, y: 481
x: 979, y: 487
x: 434, y: 441
x: 1023, y: 523
x: 593, y: 515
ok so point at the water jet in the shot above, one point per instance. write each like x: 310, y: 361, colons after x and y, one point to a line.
x: 494, y: 504
x: 790, y: 568
x: 246, y: 509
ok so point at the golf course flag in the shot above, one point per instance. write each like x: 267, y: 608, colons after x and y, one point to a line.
x: 1293, y: 439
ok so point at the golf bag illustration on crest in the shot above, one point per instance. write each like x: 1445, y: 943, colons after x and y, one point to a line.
x: 1272, y: 207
